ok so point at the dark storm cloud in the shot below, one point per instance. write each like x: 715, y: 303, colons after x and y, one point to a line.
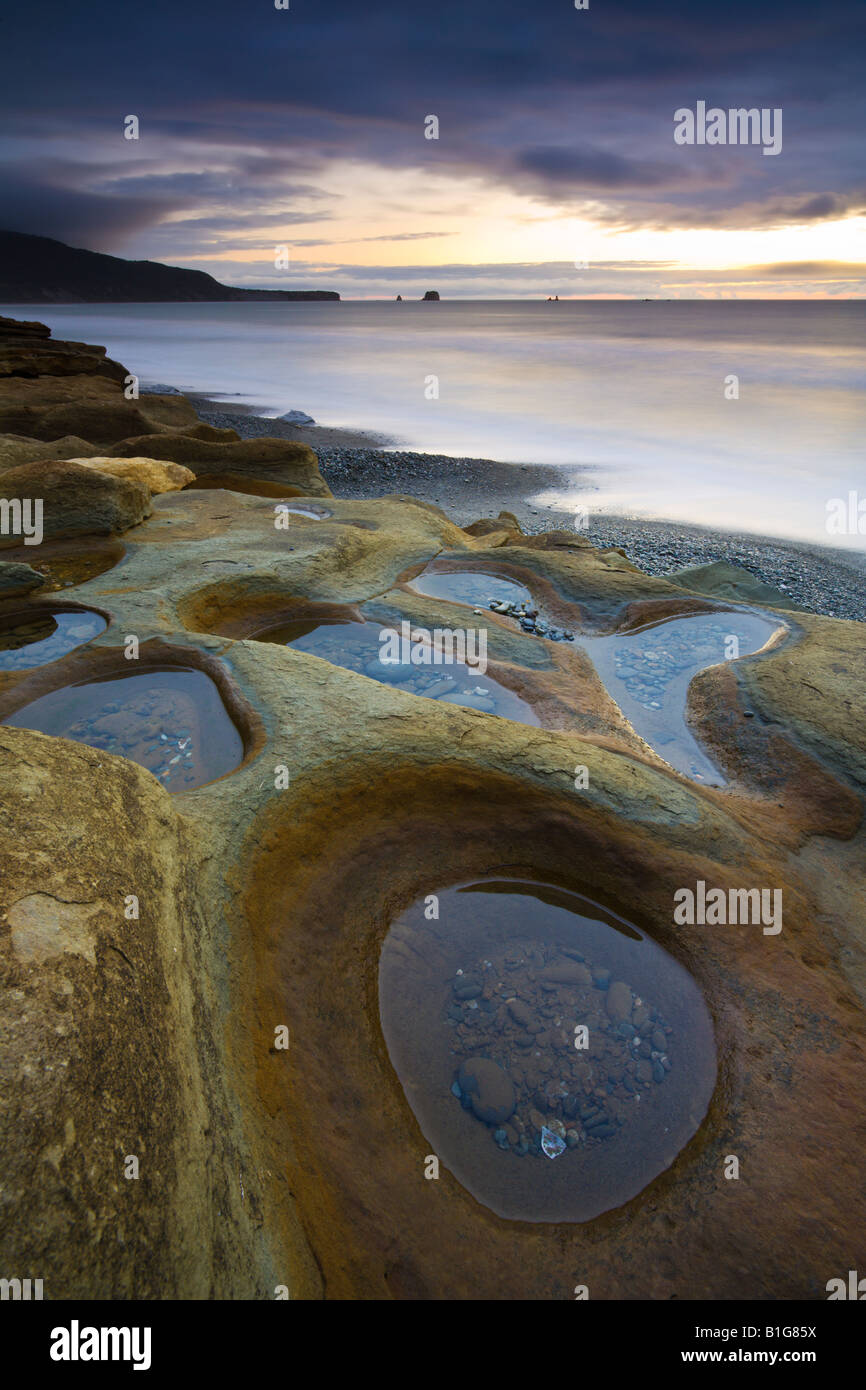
x: 593, y: 169
x: 539, y: 97
x: 717, y: 211
x: 95, y: 221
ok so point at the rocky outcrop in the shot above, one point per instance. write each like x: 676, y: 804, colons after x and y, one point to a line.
x: 16, y: 449
x: 77, y: 501
x: 724, y: 581
x: 125, y: 1153
x: 101, y: 423
x: 431, y: 295
x: 156, y: 475
x: 28, y: 350
x: 65, y: 401
x: 294, y: 467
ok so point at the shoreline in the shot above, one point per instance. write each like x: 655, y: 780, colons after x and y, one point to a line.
x: 358, y: 464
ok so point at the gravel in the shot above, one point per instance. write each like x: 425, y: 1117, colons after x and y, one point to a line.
x: 819, y: 579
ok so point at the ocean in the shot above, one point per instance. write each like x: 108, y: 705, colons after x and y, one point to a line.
x: 636, y: 402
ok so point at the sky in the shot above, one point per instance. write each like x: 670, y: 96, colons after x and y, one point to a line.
x: 555, y: 171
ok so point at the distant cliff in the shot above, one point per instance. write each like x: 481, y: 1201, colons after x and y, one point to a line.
x: 38, y: 270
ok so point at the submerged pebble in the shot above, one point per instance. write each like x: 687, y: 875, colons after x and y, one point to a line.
x: 524, y: 1067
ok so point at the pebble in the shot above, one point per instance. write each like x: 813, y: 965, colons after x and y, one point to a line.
x: 529, y: 1017
x: 489, y: 1088
x: 388, y: 674
x: 440, y: 687
x: 479, y: 702
x: 571, y: 974
x: 521, y: 1013
x: 552, y: 1144
x: 618, y: 1001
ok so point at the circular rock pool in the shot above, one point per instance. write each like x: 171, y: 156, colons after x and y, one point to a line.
x: 38, y: 636
x: 170, y: 720
x: 556, y: 1058
x: 469, y: 587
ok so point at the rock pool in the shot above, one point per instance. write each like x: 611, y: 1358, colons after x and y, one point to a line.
x: 648, y: 673
x: 556, y: 1058
x: 171, y: 720
x: 473, y: 587
x: 39, y: 636
x: 357, y: 647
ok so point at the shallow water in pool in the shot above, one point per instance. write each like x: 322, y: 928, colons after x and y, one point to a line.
x: 36, y: 638
x: 470, y: 587
x: 171, y: 720
x: 648, y: 673
x: 357, y: 647
x: 484, y: 1010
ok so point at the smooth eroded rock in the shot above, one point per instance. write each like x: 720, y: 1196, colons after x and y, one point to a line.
x: 271, y: 460
x: 156, y: 474
x: 17, y: 578
x: 618, y: 1001
x: 490, y: 1089
x: 76, y: 500
x: 572, y: 973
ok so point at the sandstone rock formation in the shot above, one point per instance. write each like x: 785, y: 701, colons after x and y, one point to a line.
x: 16, y: 449
x: 156, y: 475
x: 77, y: 501
x: 62, y: 401
x: 27, y: 349
x: 289, y: 466
x: 264, y: 900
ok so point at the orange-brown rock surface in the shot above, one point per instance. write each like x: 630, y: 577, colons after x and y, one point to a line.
x: 264, y: 898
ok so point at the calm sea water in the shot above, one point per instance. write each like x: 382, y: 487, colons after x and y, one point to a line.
x: 628, y: 398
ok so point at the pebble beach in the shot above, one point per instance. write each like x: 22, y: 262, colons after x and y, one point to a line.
x: 819, y: 579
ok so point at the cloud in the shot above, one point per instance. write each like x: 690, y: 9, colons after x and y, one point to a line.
x: 357, y: 240
x: 536, y: 280
x: 713, y: 211
x: 245, y: 109
x: 95, y: 221
x: 813, y: 270
x: 554, y: 166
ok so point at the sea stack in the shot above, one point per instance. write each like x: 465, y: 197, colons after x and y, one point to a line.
x: 432, y: 294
